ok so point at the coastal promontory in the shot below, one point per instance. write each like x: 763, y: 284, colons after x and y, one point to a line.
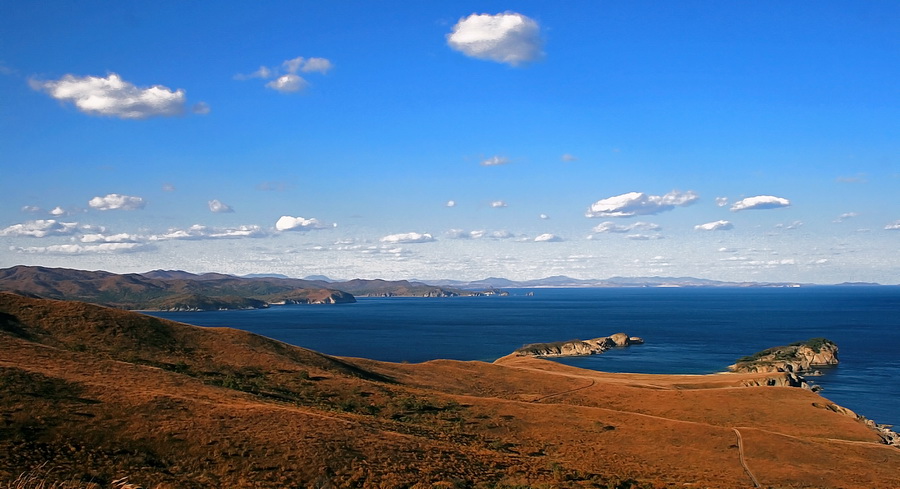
x: 578, y: 347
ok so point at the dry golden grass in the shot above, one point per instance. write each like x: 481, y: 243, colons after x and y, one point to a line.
x: 98, y: 393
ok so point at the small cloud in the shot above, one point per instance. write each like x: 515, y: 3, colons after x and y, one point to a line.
x: 168, y: 187
x: 894, y: 226
x: 6, y: 70
x: 110, y: 238
x: 714, y: 226
x: 58, y: 211
x: 263, y: 72
x: 77, y: 249
x: 793, y: 225
x: 218, y: 206
x: 611, y: 227
x: 40, y: 228
x: 288, y: 83
x: 31, y: 209
x: 544, y: 216
x: 319, y: 65
x: 478, y: 234
x: 639, y: 203
x: 721, y: 201
x: 200, y: 232
x: 288, y: 223
x: 201, y: 108
x: 508, y: 37
x: 284, y: 78
x: 643, y: 237
x: 407, y: 238
x: 116, y: 202
x: 847, y: 215
x: 114, y: 97
x: 760, y: 202
x: 547, y: 238
x: 568, y: 158
x: 498, y: 204
x: 451, y: 203
x: 495, y: 161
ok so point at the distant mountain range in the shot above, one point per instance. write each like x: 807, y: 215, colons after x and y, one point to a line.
x: 564, y: 281
x: 176, y: 290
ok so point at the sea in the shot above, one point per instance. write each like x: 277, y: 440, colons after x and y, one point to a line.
x: 686, y: 330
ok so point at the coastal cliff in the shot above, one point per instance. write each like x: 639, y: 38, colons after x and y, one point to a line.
x: 578, y: 347
x: 800, y: 358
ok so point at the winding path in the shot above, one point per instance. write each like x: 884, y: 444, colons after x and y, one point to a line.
x: 566, y: 392
x: 740, y: 441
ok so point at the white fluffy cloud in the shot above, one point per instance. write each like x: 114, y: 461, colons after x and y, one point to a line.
x: 894, y: 226
x: 547, y: 237
x: 544, y: 216
x: 114, y: 97
x: 288, y: 83
x: 40, y: 228
x: 451, y: 203
x: 508, y: 37
x: 478, y: 234
x: 497, y: 204
x: 307, y: 65
x: 760, y: 202
x: 611, y: 227
x: 408, y: 238
x: 847, y: 215
x: 110, y: 238
x: 31, y: 209
x: 495, y: 161
x: 77, y: 249
x: 720, y: 225
x: 284, y: 78
x: 639, y: 203
x: 218, y: 206
x: 116, y: 201
x: 198, y: 232
x: 288, y: 223
x: 721, y: 201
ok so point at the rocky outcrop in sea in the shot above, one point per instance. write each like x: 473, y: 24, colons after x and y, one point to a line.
x: 578, y: 347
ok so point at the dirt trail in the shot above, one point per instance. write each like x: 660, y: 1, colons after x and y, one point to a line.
x: 740, y: 441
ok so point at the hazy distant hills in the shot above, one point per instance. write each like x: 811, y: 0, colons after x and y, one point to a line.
x: 563, y: 281
x: 179, y: 290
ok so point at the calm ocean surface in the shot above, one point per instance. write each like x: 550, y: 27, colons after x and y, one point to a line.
x: 690, y: 331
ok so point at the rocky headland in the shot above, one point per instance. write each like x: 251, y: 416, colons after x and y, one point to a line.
x: 578, y: 347
x: 800, y: 358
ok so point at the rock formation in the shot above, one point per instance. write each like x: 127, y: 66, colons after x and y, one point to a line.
x: 578, y: 347
x: 798, y: 358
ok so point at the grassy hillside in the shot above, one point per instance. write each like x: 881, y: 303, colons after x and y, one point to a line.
x: 91, y: 395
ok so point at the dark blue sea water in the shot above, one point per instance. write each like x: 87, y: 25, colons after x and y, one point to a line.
x: 687, y: 330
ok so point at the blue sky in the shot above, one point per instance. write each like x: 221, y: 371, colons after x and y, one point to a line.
x: 724, y: 140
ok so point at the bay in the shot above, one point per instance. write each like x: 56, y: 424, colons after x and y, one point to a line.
x: 687, y: 330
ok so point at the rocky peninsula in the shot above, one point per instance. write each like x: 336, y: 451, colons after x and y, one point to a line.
x: 578, y: 347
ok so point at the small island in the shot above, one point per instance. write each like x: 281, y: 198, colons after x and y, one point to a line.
x: 800, y: 357
x: 578, y: 347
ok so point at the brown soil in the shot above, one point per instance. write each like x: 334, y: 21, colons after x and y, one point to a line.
x: 94, y: 394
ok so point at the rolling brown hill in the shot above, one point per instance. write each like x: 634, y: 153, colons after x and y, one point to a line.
x: 178, y: 290
x: 93, y: 394
x: 163, y: 292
